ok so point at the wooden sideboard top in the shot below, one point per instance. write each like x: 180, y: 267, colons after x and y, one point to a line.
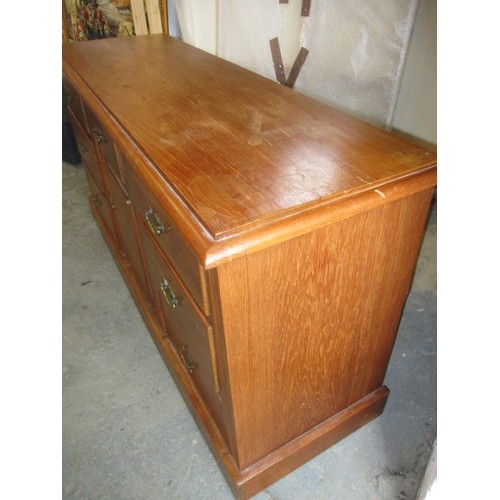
x: 241, y: 151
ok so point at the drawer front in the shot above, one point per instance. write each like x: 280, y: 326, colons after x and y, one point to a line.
x: 127, y: 231
x: 104, y: 143
x: 72, y: 100
x: 168, y: 238
x: 98, y: 199
x: 187, y: 329
x: 86, y: 148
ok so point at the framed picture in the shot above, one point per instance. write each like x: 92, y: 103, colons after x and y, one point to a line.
x: 94, y: 19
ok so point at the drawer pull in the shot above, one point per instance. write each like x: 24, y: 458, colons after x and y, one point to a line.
x: 98, y: 135
x: 155, y: 224
x: 82, y: 148
x: 169, y: 294
x: 188, y: 363
x: 69, y: 99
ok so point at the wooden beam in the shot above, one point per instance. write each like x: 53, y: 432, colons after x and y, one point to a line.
x: 164, y: 15
x: 154, y: 16
x: 139, y: 17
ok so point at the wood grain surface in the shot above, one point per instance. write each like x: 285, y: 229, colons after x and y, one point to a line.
x: 310, y: 323
x: 238, y: 149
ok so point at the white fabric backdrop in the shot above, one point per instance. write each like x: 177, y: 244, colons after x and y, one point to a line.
x: 185, y: 15
x: 356, y: 48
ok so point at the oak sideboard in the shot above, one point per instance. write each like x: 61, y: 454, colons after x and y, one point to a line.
x: 268, y: 240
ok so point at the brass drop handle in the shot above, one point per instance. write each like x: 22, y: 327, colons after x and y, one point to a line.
x: 82, y: 148
x: 188, y: 362
x: 69, y: 99
x: 169, y: 294
x: 155, y: 224
x: 98, y: 135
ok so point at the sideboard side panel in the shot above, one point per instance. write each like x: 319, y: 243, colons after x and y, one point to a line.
x: 310, y: 323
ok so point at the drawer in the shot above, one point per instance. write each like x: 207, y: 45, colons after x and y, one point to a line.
x: 168, y: 238
x: 103, y: 141
x: 73, y: 101
x: 188, y: 330
x: 86, y: 148
x: 98, y: 199
x: 127, y: 236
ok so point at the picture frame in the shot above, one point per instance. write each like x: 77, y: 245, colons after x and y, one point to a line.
x: 95, y: 19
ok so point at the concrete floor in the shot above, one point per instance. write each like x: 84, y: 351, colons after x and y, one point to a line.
x: 128, y: 435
